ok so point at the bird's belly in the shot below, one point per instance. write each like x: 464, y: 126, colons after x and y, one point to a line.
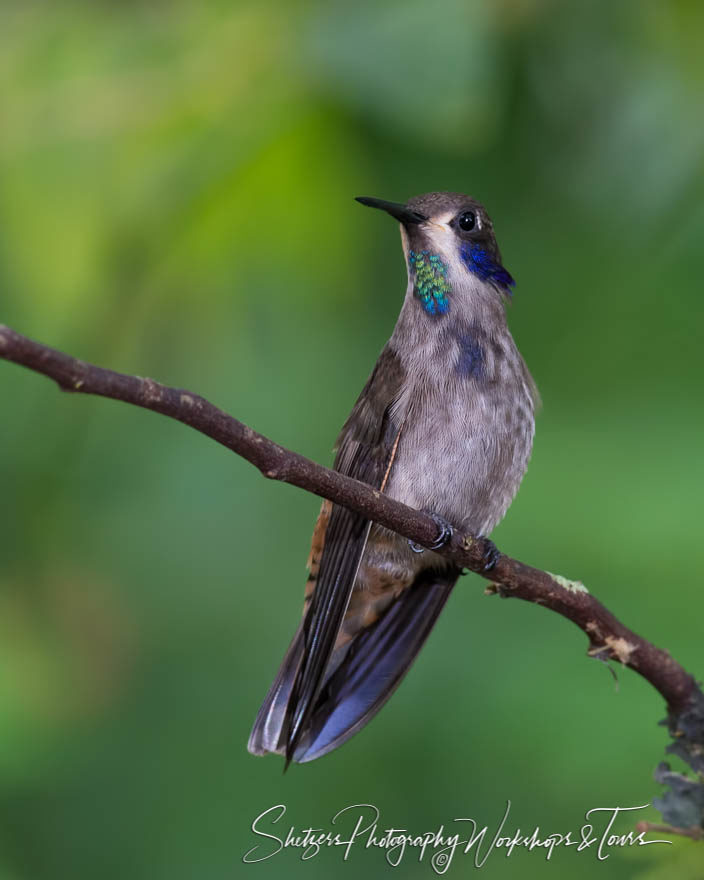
x: 464, y: 459
x: 463, y: 462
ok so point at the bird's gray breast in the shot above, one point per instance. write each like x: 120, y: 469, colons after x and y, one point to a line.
x: 467, y: 426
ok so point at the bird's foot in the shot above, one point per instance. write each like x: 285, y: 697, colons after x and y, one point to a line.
x: 445, y: 532
x: 491, y: 554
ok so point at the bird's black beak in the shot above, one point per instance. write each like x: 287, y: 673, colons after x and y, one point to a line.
x: 400, y: 212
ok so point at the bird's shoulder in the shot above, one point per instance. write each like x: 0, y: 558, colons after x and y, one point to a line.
x: 366, y: 444
x: 371, y: 428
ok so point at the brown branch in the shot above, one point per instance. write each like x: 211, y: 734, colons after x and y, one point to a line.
x: 695, y: 833
x: 608, y: 638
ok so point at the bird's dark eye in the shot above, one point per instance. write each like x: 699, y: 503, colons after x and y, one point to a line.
x: 466, y: 221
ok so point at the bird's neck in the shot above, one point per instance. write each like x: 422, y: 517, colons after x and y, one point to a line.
x: 446, y: 301
x: 434, y: 277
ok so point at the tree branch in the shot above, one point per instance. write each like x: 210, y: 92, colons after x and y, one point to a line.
x: 608, y: 638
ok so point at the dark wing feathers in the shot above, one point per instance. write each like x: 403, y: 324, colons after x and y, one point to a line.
x: 364, y: 451
x: 269, y: 723
x: 346, y: 536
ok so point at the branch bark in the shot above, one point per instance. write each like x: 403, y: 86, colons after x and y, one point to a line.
x: 609, y: 639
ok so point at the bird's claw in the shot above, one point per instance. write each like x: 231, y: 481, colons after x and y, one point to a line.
x: 491, y: 555
x: 445, y: 532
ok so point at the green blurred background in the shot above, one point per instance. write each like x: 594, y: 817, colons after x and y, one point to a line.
x: 176, y: 185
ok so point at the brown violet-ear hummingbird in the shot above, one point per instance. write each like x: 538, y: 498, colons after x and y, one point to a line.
x: 444, y: 424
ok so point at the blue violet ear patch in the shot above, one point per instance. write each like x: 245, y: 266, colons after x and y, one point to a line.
x: 480, y: 263
x: 431, y: 286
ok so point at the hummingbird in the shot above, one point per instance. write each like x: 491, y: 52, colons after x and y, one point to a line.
x: 444, y: 424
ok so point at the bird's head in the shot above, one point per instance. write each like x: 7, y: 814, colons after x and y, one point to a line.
x: 448, y: 239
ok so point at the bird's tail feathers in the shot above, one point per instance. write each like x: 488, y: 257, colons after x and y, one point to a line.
x: 371, y: 669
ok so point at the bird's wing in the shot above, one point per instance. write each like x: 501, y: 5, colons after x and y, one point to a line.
x: 365, y: 451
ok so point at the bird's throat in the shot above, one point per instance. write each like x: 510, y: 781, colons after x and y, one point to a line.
x: 430, y: 285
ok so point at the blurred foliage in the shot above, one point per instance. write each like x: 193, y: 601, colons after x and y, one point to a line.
x: 176, y: 186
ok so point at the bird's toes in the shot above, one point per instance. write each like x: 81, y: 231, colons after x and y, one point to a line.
x: 491, y: 554
x: 445, y: 532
